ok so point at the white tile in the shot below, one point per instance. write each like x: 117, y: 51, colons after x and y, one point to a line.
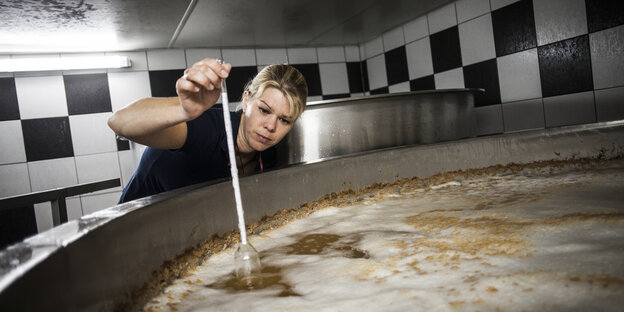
x: 43, y: 216
x: 469, y: 9
x: 97, y: 167
x: 557, y: 20
x: 374, y: 47
x: 127, y: 87
x: 523, y: 115
x: 90, y: 134
x: 352, y: 53
x: 195, y: 55
x: 497, y: 4
x: 302, y: 56
x: 607, y: 57
x: 14, y: 180
x: 93, y: 203
x: 399, y: 87
x: 442, y: 18
x: 41, y: 97
x: 393, y: 39
x: 165, y: 59
x: 234, y: 106
x: 12, y: 142
x: 334, y: 78
x: 569, y: 109
x: 128, y: 162
x: 362, y: 48
x: 377, y: 77
x: 53, y: 173
x: 331, y: 54
x: 416, y: 29
x: 419, y: 62
x: 74, y: 208
x: 271, y: 56
x: 239, y: 57
x: 138, y: 61
x: 450, y: 79
x: 518, y: 76
x: 489, y: 119
x: 476, y: 40
x: 610, y: 104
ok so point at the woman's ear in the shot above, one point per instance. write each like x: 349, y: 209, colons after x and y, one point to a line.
x: 244, y: 101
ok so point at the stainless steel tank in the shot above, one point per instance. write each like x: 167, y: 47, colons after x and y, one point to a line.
x: 98, y: 262
x: 346, y: 126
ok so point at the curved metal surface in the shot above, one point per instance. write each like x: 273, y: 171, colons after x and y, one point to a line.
x: 94, y: 264
x: 346, y: 126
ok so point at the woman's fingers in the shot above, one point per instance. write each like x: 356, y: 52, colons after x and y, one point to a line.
x: 185, y: 85
x: 206, y: 74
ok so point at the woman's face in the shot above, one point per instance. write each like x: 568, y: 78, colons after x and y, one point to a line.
x: 266, y: 120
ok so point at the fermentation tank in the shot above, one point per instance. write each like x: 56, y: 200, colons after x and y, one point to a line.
x: 121, y: 257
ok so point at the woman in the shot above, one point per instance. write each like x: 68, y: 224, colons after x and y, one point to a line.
x: 186, y: 136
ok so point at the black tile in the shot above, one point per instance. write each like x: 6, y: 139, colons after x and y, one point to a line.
x: 365, y: 75
x: 383, y: 90
x: 445, y: 51
x: 9, y: 109
x: 354, y: 73
x: 423, y: 83
x: 514, y: 28
x: 336, y: 96
x: 396, y: 65
x: 16, y: 224
x: 87, y: 94
x: 312, y: 76
x: 123, y: 145
x: 163, y: 82
x: 238, y: 79
x: 565, y: 67
x: 47, y: 138
x: 603, y: 14
x: 483, y: 75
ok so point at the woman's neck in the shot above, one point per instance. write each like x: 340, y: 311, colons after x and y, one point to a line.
x: 242, y: 144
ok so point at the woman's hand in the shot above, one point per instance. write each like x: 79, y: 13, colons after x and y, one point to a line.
x: 161, y: 122
x: 200, y: 87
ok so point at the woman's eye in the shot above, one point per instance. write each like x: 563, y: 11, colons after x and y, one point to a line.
x: 262, y: 110
x: 284, y: 121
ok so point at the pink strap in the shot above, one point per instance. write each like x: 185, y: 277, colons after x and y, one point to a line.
x: 260, y: 160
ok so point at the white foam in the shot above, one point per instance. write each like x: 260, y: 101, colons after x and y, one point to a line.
x: 405, y: 272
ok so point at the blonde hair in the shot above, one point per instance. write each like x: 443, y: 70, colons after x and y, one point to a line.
x: 285, y: 78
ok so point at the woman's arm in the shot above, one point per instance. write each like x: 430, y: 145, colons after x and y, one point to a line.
x: 161, y: 122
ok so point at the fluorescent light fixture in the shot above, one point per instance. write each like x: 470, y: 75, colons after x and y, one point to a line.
x: 63, y: 63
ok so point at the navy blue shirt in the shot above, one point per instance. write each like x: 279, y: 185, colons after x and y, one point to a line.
x: 203, y: 157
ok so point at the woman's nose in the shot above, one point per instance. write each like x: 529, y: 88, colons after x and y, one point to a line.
x: 270, y: 122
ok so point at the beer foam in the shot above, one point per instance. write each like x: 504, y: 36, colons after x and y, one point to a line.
x: 550, y: 242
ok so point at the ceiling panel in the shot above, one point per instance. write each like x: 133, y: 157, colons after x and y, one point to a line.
x: 38, y: 26
x: 28, y: 26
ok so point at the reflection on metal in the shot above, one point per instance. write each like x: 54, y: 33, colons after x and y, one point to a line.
x: 342, y: 127
x: 94, y: 263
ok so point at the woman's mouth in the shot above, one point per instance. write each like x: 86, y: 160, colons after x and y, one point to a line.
x: 263, y: 139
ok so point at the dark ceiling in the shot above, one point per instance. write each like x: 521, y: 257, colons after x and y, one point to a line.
x: 41, y: 26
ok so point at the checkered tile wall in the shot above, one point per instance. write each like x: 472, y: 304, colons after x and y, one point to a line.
x: 543, y: 63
